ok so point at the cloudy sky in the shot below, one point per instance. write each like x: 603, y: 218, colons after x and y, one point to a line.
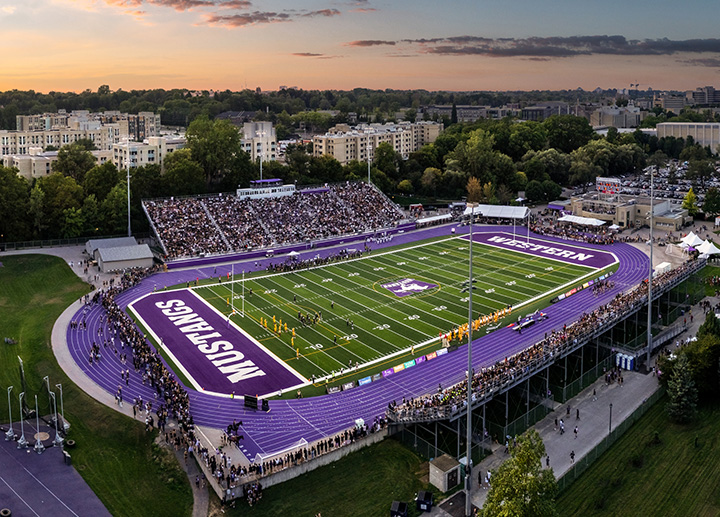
x: 66, y: 45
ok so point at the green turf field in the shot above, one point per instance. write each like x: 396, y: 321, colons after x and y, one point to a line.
x: 364, y: 323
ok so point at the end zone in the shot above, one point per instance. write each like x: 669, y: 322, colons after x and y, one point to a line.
x: 560, y: 251
x: 214, y: 354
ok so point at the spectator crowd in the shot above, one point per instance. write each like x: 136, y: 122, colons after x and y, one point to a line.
x: 447, y: 401
x: 225, y: 223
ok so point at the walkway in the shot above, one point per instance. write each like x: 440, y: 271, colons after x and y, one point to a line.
x: 594, y: 423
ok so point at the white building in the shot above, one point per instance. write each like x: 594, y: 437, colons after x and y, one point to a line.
x: 704, y: 133
x: 359, y: 143
x: 37, y: 164
x: 152, y: 150
x: 258, y: 140
x: 619, y: 117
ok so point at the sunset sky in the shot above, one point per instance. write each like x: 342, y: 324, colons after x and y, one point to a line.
x: 71, y: 45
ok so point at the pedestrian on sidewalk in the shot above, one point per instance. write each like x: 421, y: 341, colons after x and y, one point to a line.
x: 594, y: 394
x: 576, y: 432
x: 572, y: 456
x: 568, y: 410
x: 577, y: 414
x: 547, y: 461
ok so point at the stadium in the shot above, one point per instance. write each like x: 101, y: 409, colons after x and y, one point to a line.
x: 292, y: 324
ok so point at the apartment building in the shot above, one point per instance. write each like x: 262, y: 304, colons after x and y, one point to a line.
x: 259, y: 141
x: 21, y: 142
x: 152, y: 151
x: 345, y: 143
x: 620, y: 117
x: 38, y: 164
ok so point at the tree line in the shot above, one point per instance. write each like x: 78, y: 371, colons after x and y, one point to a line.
x: 503, y: 157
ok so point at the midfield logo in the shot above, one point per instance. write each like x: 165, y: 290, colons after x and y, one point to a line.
x: 407, y: 286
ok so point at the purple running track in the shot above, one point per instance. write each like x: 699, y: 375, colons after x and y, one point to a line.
x: 313, y: 418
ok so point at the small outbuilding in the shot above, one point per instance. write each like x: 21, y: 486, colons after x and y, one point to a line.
x: 445, y: 472
x: 93, y: 245
x: 124, y: 257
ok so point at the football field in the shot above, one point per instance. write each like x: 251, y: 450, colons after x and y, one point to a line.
x: 361, y: 312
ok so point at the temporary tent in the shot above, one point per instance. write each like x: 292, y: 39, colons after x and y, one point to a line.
x: 692, y: 240
x: 585, y: 221
x: 708, y: 248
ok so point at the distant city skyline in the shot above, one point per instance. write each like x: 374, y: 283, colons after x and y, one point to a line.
x: 461, y: 45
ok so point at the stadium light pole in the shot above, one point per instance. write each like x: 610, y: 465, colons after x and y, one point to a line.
x: 468, y: 437
x: 66, y: 426
x: 39, y: 446
x: 650, y: 273
x: 22, y: 442
x: 10, y: 434
x: 369, y: 148
x: 58, y: 439
x: 261, y: 134
x: 128, y: 185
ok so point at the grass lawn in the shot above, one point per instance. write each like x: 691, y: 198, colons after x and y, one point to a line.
x: 707, y: 272
x: 638, y: 476
x: 362, y: 484
x: 113, y: 454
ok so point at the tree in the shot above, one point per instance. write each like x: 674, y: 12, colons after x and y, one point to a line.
x: 568, y: 132
x: 215, y: 146
x: 405, y: 187
x: 14, y: 206
x: 73, y: 223
x: 534, y: 191
x: 700, y: 170
x: 711, y: 204
x: 183, y: 176
x: 74, y: 160
x: 91, y: 215
x: 101, y: 179
x: 521, y: 487
x: 474, y: 191
x: 430, y: 179
x: 37, y: 211
x: 387, y: 160
x: 551, y: 189
x: 711, y: 326
x: 61, y: 192
x: 113, y: 210
x: 690, y: 202
x: 682, y: 405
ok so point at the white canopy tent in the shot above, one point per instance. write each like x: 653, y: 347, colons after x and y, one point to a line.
x: 692, y: 240
x: 501, y: 212
x: 584, y: 221
x: 498, y: 211
x: 708, y: 248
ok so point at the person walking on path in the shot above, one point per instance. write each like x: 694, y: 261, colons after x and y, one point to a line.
x: 572, y: 456
x: 576, y: 432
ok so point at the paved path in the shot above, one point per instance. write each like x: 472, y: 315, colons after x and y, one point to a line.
x: 33, y: 485
x: 594, y: 422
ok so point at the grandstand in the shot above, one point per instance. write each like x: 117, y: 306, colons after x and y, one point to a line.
x: 225, y: 223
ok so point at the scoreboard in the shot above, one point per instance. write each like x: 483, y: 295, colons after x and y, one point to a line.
x: 608, y: 185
